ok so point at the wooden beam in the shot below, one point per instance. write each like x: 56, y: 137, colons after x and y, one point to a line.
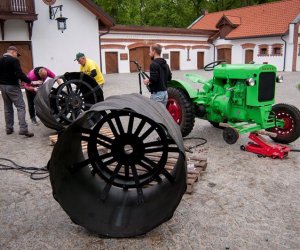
x: 2, y: 28
x: 30, y: 25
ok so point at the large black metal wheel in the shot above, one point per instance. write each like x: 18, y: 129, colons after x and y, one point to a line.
x: 61, y: 100
x: 120, y: 187
x: 291, y: 117
x: 181, y: 109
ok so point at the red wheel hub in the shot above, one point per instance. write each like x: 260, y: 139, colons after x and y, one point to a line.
x: 289, y: 124
x: 175, y: 110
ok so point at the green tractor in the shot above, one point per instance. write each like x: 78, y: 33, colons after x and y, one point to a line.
x: 239, y: 98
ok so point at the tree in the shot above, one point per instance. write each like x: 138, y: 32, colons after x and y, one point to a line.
x: 168, y: 13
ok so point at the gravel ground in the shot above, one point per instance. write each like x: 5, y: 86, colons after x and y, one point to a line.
x: 241, y: 202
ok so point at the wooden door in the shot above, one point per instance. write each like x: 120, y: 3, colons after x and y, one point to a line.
x: 248, y: 56
x: 141, y: 55
x: 200, y: 60
x: 225, y: 55
x: 24, y: 48
x: 111, y: 61
x: 175, y: 59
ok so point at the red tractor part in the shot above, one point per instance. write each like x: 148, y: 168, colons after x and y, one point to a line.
x: 263, y: 148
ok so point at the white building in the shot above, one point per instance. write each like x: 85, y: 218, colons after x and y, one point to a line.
x: 265, y: 33
x: 183, y: 49
x: 27, y: 25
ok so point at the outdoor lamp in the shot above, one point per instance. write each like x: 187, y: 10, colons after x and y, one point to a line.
x: 61, y: 21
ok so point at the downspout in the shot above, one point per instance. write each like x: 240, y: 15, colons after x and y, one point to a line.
x: 284, y: 56
x: 105, y: 33
x: 212, y: 43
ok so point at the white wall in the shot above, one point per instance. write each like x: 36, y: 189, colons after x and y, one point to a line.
x: 54, y: 49
x: 57, y: 50
x: 124, y: 65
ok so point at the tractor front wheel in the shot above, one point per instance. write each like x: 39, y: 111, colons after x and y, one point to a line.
x: 181, y: 109
x: 291, y: 117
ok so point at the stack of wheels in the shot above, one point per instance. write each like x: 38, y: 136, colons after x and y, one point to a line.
x: 61, y: 100
x: 120, y: 185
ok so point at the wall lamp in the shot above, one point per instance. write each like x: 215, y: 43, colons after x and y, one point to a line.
x: 61, y: 21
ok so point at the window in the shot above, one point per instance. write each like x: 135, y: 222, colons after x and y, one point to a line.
x: 277, y: 49
x: 263, y: 50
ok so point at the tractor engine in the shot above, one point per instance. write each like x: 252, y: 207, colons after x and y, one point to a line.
x: 240, y: 93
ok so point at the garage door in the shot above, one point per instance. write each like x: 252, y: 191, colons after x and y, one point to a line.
x: 175, y: 58
x: 200, y: 60
x: 249, y: 56
x: 24, y: 48
x: 225, y: 55
x: 141, y: 55
x: 111, y: 60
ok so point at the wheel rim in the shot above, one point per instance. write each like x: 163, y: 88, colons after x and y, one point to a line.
x: 175, y: 110
x: 128, y: 150
x: 289, y: 124
x: 71, y: 100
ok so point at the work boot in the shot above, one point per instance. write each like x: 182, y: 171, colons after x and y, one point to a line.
x: 26, y: 133
x: 34, y: 121
x: 9, y: 131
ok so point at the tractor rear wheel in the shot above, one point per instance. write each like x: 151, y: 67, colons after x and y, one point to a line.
x: 291, y: 116
x: 181, y: 109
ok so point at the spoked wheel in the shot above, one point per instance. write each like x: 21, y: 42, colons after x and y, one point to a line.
x: 126, y: 161
x: 291, y: 117
x: 230, y: 135
x: 109, y: 173
x: 71, y: 98
x: 181, y: 109
x: 61, y: 100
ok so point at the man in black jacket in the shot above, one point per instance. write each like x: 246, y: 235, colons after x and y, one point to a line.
x: 10, y: 74
x: 160, y: 74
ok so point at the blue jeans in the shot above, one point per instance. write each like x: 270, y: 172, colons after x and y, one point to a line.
x: 160, y: 96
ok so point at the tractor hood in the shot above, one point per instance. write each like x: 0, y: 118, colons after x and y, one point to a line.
x: 241, y: 71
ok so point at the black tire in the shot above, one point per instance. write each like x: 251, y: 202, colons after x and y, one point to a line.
x: 181, y: 109
x: 230, y: 135
x: 291, y: 130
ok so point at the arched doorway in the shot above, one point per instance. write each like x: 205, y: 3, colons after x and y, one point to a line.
x: 224, y: 54
x: 141, y: 55
x: 248, y: 55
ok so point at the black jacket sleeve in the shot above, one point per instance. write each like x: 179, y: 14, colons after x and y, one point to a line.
x: 154, y: 73
x: 19, y: 73
x: 93, y: 73
x: 169, y: 74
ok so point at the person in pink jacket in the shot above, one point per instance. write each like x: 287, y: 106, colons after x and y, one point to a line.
x: 37, y: 76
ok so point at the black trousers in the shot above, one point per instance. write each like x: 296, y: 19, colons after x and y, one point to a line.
x: 30, y: 97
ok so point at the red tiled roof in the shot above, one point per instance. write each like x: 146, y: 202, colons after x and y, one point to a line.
x: 154, y: 29
x: 232, y: 20
x: 255, y: 21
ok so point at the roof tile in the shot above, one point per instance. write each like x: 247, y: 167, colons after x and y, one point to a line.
x: 255, y: 21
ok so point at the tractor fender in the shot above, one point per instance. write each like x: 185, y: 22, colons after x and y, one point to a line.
x: 192, y: 93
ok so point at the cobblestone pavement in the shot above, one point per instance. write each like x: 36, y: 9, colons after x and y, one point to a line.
x: 241, y: 202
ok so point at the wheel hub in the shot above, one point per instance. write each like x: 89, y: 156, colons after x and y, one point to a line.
x: 128, y: 149
x: 75, y: 101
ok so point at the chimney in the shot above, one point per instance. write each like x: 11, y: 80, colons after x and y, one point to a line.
x: 205, y: 12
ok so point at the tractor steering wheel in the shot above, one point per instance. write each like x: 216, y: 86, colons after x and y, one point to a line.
x: 212, y: 65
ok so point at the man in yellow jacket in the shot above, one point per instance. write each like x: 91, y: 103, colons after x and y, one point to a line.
x: 90, y: 68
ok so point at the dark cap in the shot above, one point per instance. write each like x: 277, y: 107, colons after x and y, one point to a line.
x: 78, y: 56
x: 13, y: 48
